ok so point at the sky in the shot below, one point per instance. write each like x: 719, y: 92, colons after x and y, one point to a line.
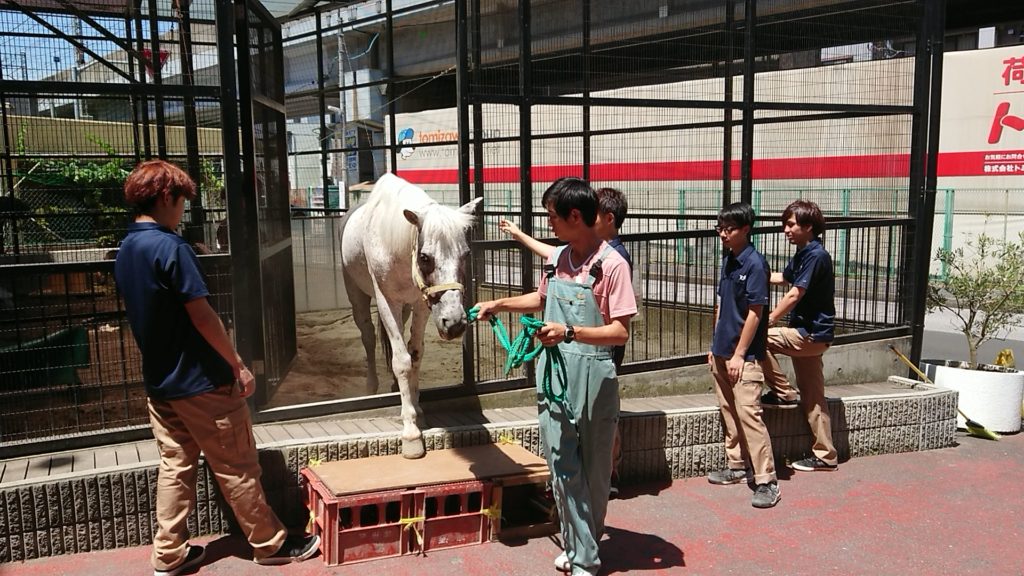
x: 32, y: 58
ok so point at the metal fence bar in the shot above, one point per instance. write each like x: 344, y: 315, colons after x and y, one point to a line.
x: 676, y: 292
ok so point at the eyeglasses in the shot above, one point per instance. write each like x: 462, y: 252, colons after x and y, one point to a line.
x: 726, y: 229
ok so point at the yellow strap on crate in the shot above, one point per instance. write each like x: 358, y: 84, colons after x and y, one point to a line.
x: 492, y: 512
x: 410, y: 524
x: 313, y: 463
x: 312, y: 521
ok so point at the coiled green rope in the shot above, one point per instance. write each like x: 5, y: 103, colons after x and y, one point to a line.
x: 519, y: 351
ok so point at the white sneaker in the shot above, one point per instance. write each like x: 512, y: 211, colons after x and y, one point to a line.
x: 562, y: 563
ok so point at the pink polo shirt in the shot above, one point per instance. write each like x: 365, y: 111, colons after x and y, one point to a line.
x: 613, y: 290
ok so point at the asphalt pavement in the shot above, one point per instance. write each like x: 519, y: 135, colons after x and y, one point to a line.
x: 950, y: 511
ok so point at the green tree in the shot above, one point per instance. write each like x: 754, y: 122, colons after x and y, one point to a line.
x: 211, y: 182
x: 983, y: 288
x: 69, y: 186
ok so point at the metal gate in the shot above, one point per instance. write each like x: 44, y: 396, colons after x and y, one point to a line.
x: 261, y: 248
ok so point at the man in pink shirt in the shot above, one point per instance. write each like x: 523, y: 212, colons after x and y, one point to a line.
x: 587, y: 297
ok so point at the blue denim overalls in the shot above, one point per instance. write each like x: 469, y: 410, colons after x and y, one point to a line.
x: 578, y: 432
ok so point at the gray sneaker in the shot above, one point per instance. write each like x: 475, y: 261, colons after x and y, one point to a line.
x: 729, y: 476
x: 814, y: 464
x: 766, y: 495
x: 294, y: 549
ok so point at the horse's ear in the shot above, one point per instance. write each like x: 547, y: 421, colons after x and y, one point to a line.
x: 470, y: 207
x: 413, y: 217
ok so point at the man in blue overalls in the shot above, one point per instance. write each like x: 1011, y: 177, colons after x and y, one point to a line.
x: 587, y: 298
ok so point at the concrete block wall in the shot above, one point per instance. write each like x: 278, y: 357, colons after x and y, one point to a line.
x: 116, y: 509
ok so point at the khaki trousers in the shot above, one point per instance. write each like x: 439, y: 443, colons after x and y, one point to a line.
x: 746, y: 437
x: 218, y: 423
x: 810, y: 378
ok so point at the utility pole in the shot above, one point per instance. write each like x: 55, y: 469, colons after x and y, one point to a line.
x: 79, y: 60
x: 342, y: 58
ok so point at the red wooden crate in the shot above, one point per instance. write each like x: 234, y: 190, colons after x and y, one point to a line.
x: 359, y: 527
x: 386, y: 506
x: 521, y: 509
x: 455, y: 514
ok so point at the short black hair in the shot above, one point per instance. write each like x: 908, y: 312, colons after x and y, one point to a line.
x: 611, y: 201
x: 807, y: 213
x: 569, y: 192
x: 737, y: 214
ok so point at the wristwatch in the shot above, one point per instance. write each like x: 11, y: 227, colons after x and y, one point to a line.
x: 570, y: 334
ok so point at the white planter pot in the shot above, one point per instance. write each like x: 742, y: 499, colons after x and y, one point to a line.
x: 990, y: 396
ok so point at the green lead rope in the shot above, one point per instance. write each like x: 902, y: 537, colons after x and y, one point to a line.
x: 519, y: 351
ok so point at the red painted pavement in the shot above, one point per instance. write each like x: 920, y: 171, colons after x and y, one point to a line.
x: 952, y: 511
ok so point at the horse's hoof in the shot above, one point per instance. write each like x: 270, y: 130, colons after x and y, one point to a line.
x: 413, y: 449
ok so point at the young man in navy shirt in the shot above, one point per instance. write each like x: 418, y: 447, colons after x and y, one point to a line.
x: 737, y: 351
x: 195, y: 380
x: 810, y: 303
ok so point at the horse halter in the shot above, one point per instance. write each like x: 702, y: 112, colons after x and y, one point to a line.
x: 426, y: 290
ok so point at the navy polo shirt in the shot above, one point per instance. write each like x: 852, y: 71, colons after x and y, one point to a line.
x: 743, y: 282
x: 157, y: 272
x: 814, y: 316
x: 621, y: 249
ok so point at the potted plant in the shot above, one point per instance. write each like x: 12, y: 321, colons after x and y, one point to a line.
x: 983, y: 291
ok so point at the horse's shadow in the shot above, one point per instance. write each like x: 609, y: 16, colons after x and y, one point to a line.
x: 625, y: 551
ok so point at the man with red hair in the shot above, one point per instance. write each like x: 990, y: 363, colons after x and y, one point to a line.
x: 195, y: 380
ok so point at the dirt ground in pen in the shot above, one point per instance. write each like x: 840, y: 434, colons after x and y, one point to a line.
x: 330, y: 362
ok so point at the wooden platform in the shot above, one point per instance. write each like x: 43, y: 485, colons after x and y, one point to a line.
x: 508, y: 464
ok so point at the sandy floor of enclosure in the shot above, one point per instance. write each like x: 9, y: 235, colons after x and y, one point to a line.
x: 331, y: 364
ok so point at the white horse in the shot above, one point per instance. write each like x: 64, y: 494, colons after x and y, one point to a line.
x: 408, y: 253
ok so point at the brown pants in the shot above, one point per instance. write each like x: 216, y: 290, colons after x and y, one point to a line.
x: 806, y: 355
x: 746, y: 437
x: 218, y: 423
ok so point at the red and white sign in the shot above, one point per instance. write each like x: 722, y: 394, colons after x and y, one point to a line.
x: 982, y: 130
x: 981, y: 135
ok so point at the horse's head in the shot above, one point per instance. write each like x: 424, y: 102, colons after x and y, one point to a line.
x: 439, y: 262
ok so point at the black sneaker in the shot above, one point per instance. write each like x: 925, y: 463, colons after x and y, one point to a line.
x: 814, y: 464
x: 294, y: 549
x: 771, y: 399
x: 728, y: 476
x: 613, y: 486
x: 766, y: 495
x: 194, y: 557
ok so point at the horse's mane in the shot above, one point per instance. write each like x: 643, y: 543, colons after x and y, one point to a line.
x: 391, y: 195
